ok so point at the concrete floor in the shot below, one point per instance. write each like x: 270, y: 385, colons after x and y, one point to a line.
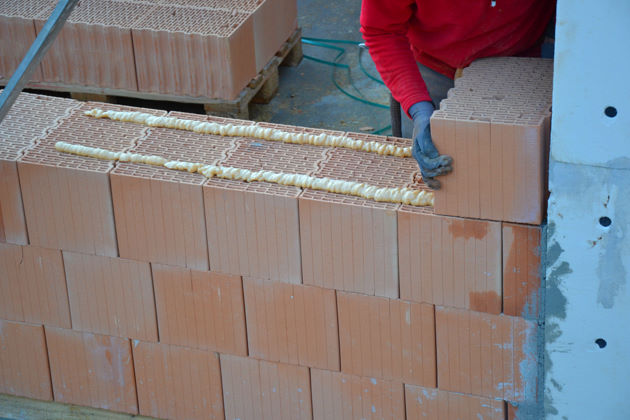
x: 307, y: 95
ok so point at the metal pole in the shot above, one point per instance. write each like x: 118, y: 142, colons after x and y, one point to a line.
x: 34, y: 55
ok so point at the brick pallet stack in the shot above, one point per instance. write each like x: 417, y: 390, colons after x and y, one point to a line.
x: 184, y: 48
x: 139, y: 289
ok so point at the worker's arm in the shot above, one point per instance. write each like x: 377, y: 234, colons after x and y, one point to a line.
x: 384, y: 24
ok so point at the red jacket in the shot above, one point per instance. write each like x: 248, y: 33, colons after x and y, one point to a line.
x: 446, y: 35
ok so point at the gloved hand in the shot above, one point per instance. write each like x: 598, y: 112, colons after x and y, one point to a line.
x: 431, y: 163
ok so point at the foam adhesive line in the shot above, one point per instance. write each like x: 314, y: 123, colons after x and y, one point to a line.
x: 392, y: 195
x: 262, y: 133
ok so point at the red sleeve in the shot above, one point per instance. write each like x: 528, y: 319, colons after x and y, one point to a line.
x: 384, y: 25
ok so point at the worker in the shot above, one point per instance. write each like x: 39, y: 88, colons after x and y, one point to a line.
x: 417, y: 45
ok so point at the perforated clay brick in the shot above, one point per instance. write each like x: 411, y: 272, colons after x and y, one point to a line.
x: 255, y: 389
x: 337, y: 395
x: 495, y: 124
x: 30, y: 118
x: 159, y: 211
x: 387, y: 338
x: 23, y: 361
x: 350, y: 243
x: 200, y: 309
x: 430, y: 403
x: 487, y: 355
x: 257, y: 224
x: 33, y: 286
x: 111, y: 296
x: 191, y: 38
x: 67, y: 198
x: 177, y: 382
x: 291, y: 323
x: 92, y: 370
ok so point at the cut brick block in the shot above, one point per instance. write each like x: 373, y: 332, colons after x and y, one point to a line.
x: 92, y: 370
x: 449, y: 261
x: 258, y: 390
x: 17, y: 33
x: 12, y: 223
x: 33, y: 286
x: 521, y: 270
x: 341, y: 396
x: 387, y: 338
x: 495, y: 125
x: 29, y: 119
x: 434, y: 404
x: 200, y: 309
x: 253, y: 228
x: 111, y: 296
x: 67, y: 198
x: 159, y: 212
x: 488, y: 355
x: 350, y: 243
x: 192, y: 38
x: 23, y: 361
x: 291, y: 323
x: 176, y: 382
x: 94, y: 47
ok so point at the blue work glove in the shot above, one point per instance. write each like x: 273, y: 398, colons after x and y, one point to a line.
x: 430, y: 161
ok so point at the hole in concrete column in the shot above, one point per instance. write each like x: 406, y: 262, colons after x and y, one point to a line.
x: 610, y: 111
x: 601, y: 343
x: 605, y: 221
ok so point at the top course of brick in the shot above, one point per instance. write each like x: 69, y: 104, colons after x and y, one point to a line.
x: 495, y: 124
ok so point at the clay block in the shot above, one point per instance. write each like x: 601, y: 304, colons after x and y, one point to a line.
x: 92, y: 370
x: 33, y: 286
x: 111, y: 296
x: 274, y: 21
x: 23, y: 361
x: 487, y: 355
x: 177, y: 382
x: 449, y: 261
x: 291, y: 323
x: 29, y: 119
x: 495, y: 125
x: 521, y: 270
x: 386, y: 338
x: 341, y: 396
x: 253, y: 228
x: 350, y: 243
x: 17, y: 33
x: 94, y: 48
x: 159, y: 212
x: 258, y: 390
x: 200, y: 309
x: 187, y: 41
x: 423, y: 403
x: 67, y: 198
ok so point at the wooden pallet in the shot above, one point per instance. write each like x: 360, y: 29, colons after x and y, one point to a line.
x: 261, y: 89
x: 25, y: 408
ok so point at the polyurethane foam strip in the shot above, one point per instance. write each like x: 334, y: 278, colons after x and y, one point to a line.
x: 262, y: 133
x: 392, y: 195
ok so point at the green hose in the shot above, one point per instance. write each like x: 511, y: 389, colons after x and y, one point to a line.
x: 326, y: 43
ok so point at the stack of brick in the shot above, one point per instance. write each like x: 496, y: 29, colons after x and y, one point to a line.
x: 209, y: 49
x: 144, y: 290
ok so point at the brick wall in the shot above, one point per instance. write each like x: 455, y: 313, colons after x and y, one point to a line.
x: 161, y: 293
